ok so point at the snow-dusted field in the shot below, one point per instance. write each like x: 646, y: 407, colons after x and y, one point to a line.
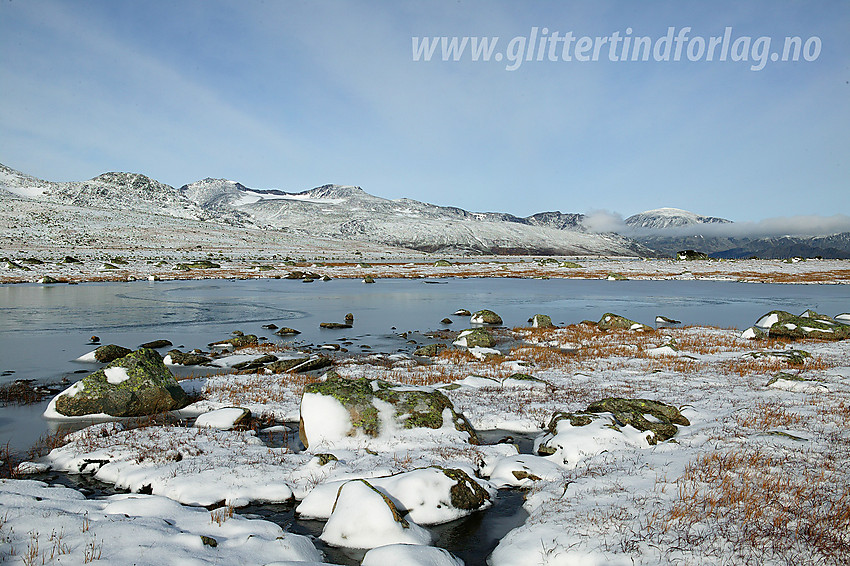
x: 269, y: 254
x: 759, y: 476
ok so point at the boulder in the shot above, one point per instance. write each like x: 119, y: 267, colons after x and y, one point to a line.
x: 110, y: 352
x: 334, y: 325
x: 48, y: 280
x: 782, y: 324
x: 203, y: 264
x: 363, y: 517
x: 156, y: 344
x: 616, y: 277
x: 475, y: 338
x: 349, y: 318
x: 226, y: 418
x: 410, y: 555
x: 442, y: 263
x: 282, y: 366
x: 611, y: 321
x: 179, y: 358
x: 792, y: 356
x: 430, y: 350
x: 569, y: 265
x: 691, y: 255
x: 485, y: 316
x: 339, y: 407
x: 632, y: 411
x: 462, y: 312
x: 256, y: 363
x: 285, y: 331
x: 239, y: 341
x: 541, y: 321
x: 368, y: 279
x: 447, y: 320
x: 661, y: 320
x: 137, y: 384
x: 429, y: 496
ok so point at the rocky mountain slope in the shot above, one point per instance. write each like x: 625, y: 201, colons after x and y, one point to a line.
x: 331, y: 212
x: 663, y: 218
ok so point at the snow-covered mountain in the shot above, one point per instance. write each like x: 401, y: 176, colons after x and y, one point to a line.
x: 339, y: 213
x: 662, y: 218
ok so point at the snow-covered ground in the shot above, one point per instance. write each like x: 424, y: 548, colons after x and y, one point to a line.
x: 758, y: 476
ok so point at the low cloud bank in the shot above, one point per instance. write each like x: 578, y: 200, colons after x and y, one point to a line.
x: 600, y: 221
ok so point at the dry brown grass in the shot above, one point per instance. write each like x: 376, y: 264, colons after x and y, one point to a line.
x: 765, y: 503
x: 765, y: 416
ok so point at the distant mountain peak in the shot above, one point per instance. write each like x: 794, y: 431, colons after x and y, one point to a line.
x: 668, y: 217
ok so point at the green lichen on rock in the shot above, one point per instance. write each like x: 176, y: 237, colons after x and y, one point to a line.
x: 570, y: 265
x: 282, y: 366
x: 202, y: 264
x: 411, y: 408
x: 792, y: 356
x: 783, y: 324
x: 238, y: 341
x: 286, y: 331
x: 485, y: 316
x: 466, y: 493
x: 148, y: 388
x: 442, y: 263
x: 576, y: 419
x: 430, y: 350
x: 542, y: 321
x: 632, y: 411
x: 611, y: 321
x: 616, y: 277
x: 188, y: 359
x: 368, y: 279
x: 110, y: 352
x: 325, y: 458
x: 475, y: 338
x: 48, y: 280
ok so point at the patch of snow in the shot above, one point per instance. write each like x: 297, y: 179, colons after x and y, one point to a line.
x: 116, y: 375
x: 767, y: 321
x: 410, y: 555
x: 87, y: 358
x: 361, y: 518
x: 325, y: 419
x: 222, y: 419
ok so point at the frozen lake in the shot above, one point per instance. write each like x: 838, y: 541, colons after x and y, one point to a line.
x: 43, y: 328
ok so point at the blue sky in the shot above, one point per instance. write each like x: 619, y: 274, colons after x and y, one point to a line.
x: 293, y: 95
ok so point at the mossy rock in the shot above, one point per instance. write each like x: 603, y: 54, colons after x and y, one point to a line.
x: 412, y: 408
x: 691, y: 255
x: 616, y: 277
x: 782, y: 324
x: 48, y: 280
x: 349, y: 318
x: 541, y: 321
x: 447, y: 320
x: 368, y: 279
x: 32, y: 261
x: 143, y: 387
x: 475, y: 338
x: 70, y: 259
x: 466, y: 493
x: 526, y: 377
x: 462, y: 312
x: 256, y: 363
x: 202, y: 264
x: 334, y: 325
x: 325, y: 458
x: 188, y: 359
x: 237, y: 341
x: 283, y: 366
x: 364, y: 265
x: 792, y: 356
x: 485, y: 316
x: 156, y: 344
x: 611, y: 321
x: 119, y: 261
x: 286, y: 331
x: 632, y: 411
x: 295, y: 275
x: 442, y: 263
x: 110, y: 352
x: 430, y: 350
x: 570, y: 265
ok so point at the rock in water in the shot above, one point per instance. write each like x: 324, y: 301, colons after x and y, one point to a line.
x: 138, y: 384
x: 611, y: 321
x: 156, y: 344
x: 485, y: 316
x: 475, y: 338
x: 541, y: 321
x: 363, y: 517
x: 349, y: 318
x: 339, y: 407
x: 110, y: 352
